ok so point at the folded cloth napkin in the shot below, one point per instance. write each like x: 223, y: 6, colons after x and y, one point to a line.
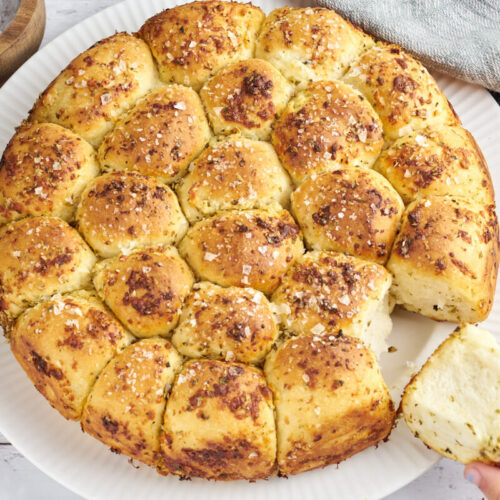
x: 458, y: 37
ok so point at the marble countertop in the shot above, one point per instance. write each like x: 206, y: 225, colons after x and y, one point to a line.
x: 20, y: 480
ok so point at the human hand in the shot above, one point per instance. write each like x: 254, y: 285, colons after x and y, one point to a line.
x: 485, y: 477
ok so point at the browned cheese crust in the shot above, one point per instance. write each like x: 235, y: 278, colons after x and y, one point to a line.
x: 243, y: 248
x: 350, y: 210
x: 43, y: 171
x: 310, y: 44
x: 400, y: 89
x: 219, y: 423
x: 331, y: 401
x: 145, y: 289
x: 89, y: 96
x: 232, y: 323
x: 192, y: 42
x: 126, y: 405
x: 39, y: 256
x: 234, y: 174
x: 437, y: 161
x: 63, y: 344
x: 326, y: 126
x: 160, y: 137
x: 121, y: 211
x: 445, y: 259
x: 246, y: 97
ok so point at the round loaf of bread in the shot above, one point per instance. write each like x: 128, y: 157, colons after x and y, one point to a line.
x: 89, y: 96
x: 192, y: 42
x: 43, y: 171
x: 122, y: 211
x: 233, y: 173
x: 310, y: 44
x: 219, y: 423
x: 400, y: 89
x: 125, y: 407
x: 328, y: 292
x: 63, y: 344
x: 39, y: 256
x: 350, y: 210
x: 326, y: 126
x: 437, y: 161
x: 145, y: 289
x: 331, y: 401
x: 160, y: 136
x: 243, y: 248
x: 232, y: 323
x: 445, y: 259
x: 246, y: 97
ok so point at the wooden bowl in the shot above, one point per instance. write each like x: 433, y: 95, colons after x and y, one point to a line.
x: 22, y: 36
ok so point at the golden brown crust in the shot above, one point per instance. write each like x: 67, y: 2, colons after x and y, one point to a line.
x: 225, y: 323
x: 125, y: 407
x: 453, y: 242
x: 437, y: 161
x: 122, y: 211
x: 310, y: 43
x: 192, y: 42
x: 325, y: 292
x: 89, y: 96
x: 350, y: 210
x: 243, y: 248
x: 233, y: 173
x: 400, y: 89
x: 219, y: 423
x: 246, y: 97
x: 331, y: 401
x: 43, y: 171
x: 326, y: 126
x: 160, y: 137
x: 63, y: 344
x: 145, y: 289
x: 39, y: 256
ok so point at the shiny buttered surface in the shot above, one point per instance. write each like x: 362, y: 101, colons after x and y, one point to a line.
x: 194, y: 224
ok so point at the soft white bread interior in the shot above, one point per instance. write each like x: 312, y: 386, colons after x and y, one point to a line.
x: 453, y: 403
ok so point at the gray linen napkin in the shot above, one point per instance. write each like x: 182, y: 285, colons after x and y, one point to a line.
x: 458, y: 37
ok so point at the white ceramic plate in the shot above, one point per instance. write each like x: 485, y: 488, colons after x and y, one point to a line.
x: 84, y: 465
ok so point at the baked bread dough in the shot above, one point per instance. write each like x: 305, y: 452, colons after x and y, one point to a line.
x: 233, y: 174
x: 331, y: 401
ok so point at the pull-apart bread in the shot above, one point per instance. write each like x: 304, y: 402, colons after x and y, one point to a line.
x: 205, y: 225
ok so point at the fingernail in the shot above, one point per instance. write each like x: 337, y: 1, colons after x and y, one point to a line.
x: 473, y: 476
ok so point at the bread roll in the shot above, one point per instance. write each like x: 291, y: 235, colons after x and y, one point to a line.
x: 63, y: 344
x: 231, y: 323
x: 219, y: 423
x: 160, y: 136
x: 401, y: 91
x: 243, y: 248
x: 125, y: 407
x: 122, y: 211
x: 39, y: 256
x: 331, y: 401
x: 453, y: 403
x: 310, y: 44
x: 437, y: 161
x: 350, y: 210
x: 445, y: 259
x: 246, y: 97
x: 192, y: 42
x: 326, y: 126
x: 43, y: 171
x: 327, y: 292
x: 233, y: 173
x: 145, y: 289
x: 91, y: 93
